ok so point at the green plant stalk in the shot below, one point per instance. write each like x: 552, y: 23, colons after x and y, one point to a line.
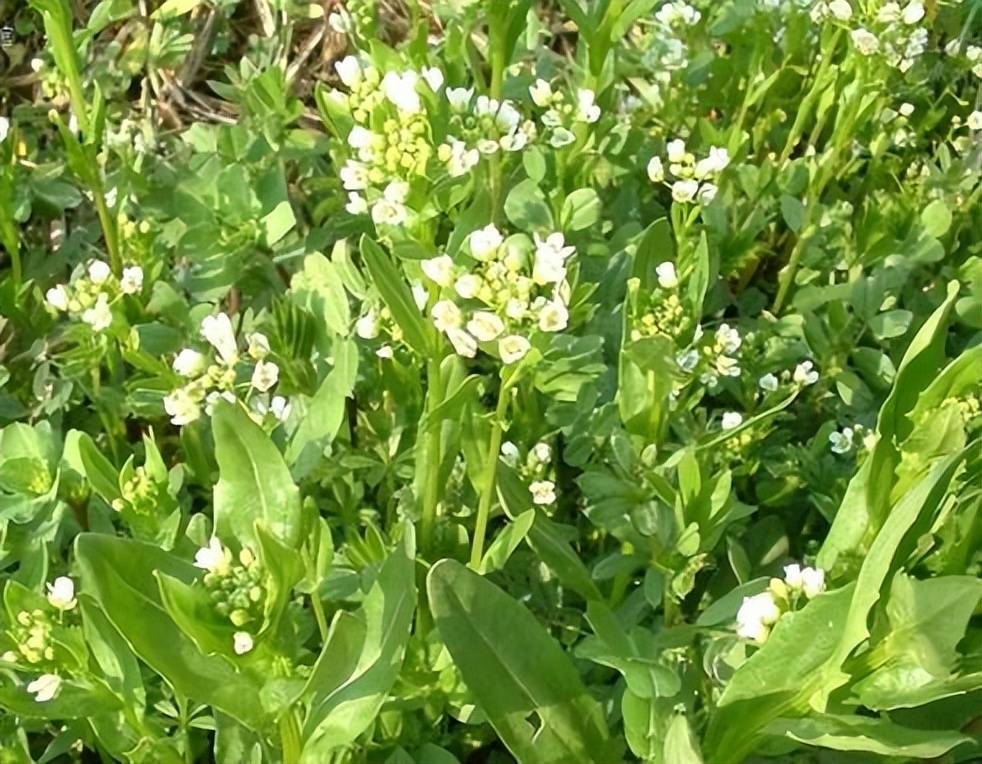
x: 290, y: 738
x: 433, y: 446
x: 8, y: 230
x: 811, y: 98
x: 488, y: 480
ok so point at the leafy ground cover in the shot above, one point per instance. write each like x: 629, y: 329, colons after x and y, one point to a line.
x: 489, y: 382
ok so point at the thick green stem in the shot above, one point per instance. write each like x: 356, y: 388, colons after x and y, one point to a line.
x: 431, y: 476
x: 488, y: 480
x: 290, y: 738
x: 108, y: 227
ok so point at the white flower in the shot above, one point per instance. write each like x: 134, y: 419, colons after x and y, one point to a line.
x: 553, y: 316
x: 732, y: 419
x: 541, y: 452
x: 361, y: 138
x: 509, y: 452
x: 514, y: 141
x: 707, y: 192
x: 842, y: 442
x: 508, y: 117
x: 400, y: 89
x: 265, y: 375
x: 446, y: 315
x: 484, y: 242
x: 728, y: 338
x: 280, y: 407
x: 587, y: 110
x: 45, y: 687
x: 388, y: 212
x: 463, y: 343
x: 213, y: 558
x: 656, y: 170
x: 99, y: 317
x: 214, y: 397
x: 792, y: 576
x: 366, y: 327
x: 550, y: 259
x: 99, y: 272
x: 543, y: 492
x: 974, y: 120
x: 485, y: 326
x: 356, y: 204
x: 487, y: 146
x: 667, y: 276
x: 888, y: 13
x: 61, y: 593
x: 676, y: 150
x: 685, y: 190
x: 459, y: 98
x: 439, y: 269
x: 804, y: 374
x: 513, y: 348
x: 865, y: 41
x: 58, y: 297
x: 913, y: 13
x: 840, y: 9
x: 688, y: 360
x: 242, y: 642
x: 131, y: 281
x: 384, y: 352
x: 258, y: 345
x: 4, y: 128
x: 812, y: 581
x: 768, y: 382
x: 354, y: 176
x: 468, y: 285
x: 340, y: 21
x: 541, y: 93
x: 756, y: 615
x: 906, y: 109
x: 189, y: 363
x: 421, y: 295
x: 561, y: 137
x: 716, y: 162
x: 217, y: 331
x: 434, y: 78
x: 349, y: 70
x: 181, y: 407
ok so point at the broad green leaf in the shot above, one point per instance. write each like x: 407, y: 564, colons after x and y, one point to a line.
x: 877, y: 736
x: 936, y: 218
x: 391, y: 284
x: 254, y: 482
x: 174, y: 8
x: 361, y: 659
x: 507, y: 541
x: 319, y: 288
x: 527, y: 209
x: 680, y: 744
x: 581, y: 209
x: 120, y: 575
x: 522, y: 679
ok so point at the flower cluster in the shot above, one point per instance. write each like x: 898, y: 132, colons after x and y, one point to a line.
x: 972, y: 55
x: 561, y: 113
x: 843, y: 441
x: 90, y: 294
x: 689, y: 179
x: 390, y: 139
x: 481, y: 126
x: 534, y: 469
x: 758, y: 614
x: 712, y: 356
x: 210, y: 378
x: 893, y: 31
x: 504, y: 298
x: 236, y: 590
x: 659, y: 311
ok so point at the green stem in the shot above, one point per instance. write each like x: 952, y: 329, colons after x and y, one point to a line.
x: 811, y: 98
x: 488, y: 480
x: 290, y: 738
x: 108, y: 226
x: 431, y: 476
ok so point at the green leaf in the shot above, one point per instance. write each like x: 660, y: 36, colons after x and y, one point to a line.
x: 522, y: 679
x: 173, y: 8
x: 581, y: 209
x: 526, y: 207
x: 319, y: 288
x: 877, y: 736
x: 254, y: 482
x: 893, y: 323
x: 680, y: 745
x: 120, y: 575
x: 361, y: 659
x: 98, y: 469
x: 395, y: 292
x: 793, y: 212
x: 936, y: 218
x: 507, y: 541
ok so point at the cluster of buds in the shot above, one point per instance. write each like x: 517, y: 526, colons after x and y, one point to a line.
x: 141, y: 493
x: 659, y: 312
x: 212, y: 378
x: 534, y: 468
x: 90, y: 294
x: 236, y: 590
x: 480, y: 127
x: 390, y: 140
x: 690, y: 179
x: 758, y: 614
x: 563, y: 113
x: 505, y: 299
